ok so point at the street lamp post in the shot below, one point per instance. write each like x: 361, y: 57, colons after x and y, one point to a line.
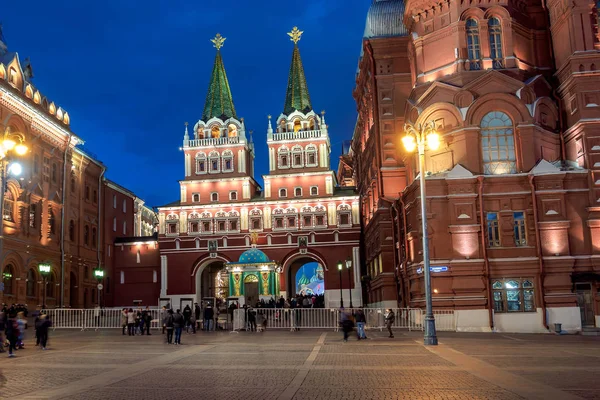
x: 417, y: 137
x: 99, y: 274
x: 348, y: 266
x: 10, y: 143
x: 340, y: 267
x: 44, y: 269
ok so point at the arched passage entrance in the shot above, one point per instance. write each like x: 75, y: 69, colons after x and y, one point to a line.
x: 305, y: 275
x: 211, y: 280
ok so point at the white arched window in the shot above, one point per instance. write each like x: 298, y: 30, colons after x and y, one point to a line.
x: 344, y: 215
x: 233, y: 219
x: 124, y: 205
x: 311, y: 156
x: 283, y: 157
x: 227, y: 158
x: 172, y: 224
x: 278, y: 221
x: 297, y: 157
x: 232, y: 130
x: 473, y: 48
x: 498, y: 144
x: 282, y: 192
x: 495, y: 32
x: 255, y: 219
x: 114, y: 224
x: 200, y: 163
x: 214, y: 196
x: 213, y: 161
x: 9, y: 206
x: 194, y: 223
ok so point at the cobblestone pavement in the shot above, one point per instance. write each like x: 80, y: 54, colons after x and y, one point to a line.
x: 304, y: 365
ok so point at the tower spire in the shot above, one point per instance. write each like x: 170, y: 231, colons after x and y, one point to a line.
x: 219, y: 102
x: 296, y: 96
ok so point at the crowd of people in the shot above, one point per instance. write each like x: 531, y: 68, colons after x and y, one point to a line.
x: 13, y: 324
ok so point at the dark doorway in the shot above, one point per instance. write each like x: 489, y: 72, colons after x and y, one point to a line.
x: 585, y: 301
x: 73, y: 292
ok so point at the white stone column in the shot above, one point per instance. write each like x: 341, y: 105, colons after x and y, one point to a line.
x: 246, y: 190
x: 267, y: 189
x: 161, y: 223
x: 331, y: 214
x: 244, y: 219
x: 187, y: 165
x: 355, y: 213
x: 183, y: 222
x: 272, y: 162
x: 183, y: 193
x: 328, y: 185
x: 267, y: 218
x: 163, y: 276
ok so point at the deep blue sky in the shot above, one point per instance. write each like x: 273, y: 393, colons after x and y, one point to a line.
x: 131, y: 75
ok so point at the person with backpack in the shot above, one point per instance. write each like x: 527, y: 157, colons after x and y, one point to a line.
x: 390, y: 318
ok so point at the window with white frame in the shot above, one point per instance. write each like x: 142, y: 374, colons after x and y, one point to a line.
x: 233, y: 219
x: 307, y: 217
x: 344, y: 215
x: 114, y: 201
x: 513, y: 295
x: 311, y: 156
x: 213, y: 161
x: 283, y: 156
x: 196, y: 197
x: 114, y: 224
x: 278, y: 218
x: 201, y: 163
x: 233, y: 195
x: 124, y: 227
x: 214, y: 197
x: 221, y: 221
x: 314, y: 190
x: 194, y: 223
x: 255, y: 219
x: 227, y: 158
x: 297, y: 157
x: 206, y: 222
x: 320, y: 217
x: 172, y: 224
x: 298, y: 192
x: 124, y: 205
x: 282, y: 192
x: 473, y: 48
x: 291, y: 218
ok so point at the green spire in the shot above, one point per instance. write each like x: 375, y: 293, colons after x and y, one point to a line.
x: 296, y: 96
x: 219, y: 102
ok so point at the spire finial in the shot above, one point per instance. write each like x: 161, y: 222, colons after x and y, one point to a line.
x: 218, y: 41
x: 186, y: 135
x: 295, y: 35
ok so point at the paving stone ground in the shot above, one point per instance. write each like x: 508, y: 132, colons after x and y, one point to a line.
x: 304, y: 365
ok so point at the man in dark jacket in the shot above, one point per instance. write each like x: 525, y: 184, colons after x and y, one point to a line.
x: 178, y: 323
x: 147, y: 317
x: 42, y: 325
x: 187, y: 314
x: 209, y: 314
x: 12, y: 334
x: 169, y: 325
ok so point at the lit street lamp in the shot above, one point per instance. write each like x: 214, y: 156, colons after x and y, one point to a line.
x: 348, y: 266
x: 340, y: 268
x: 99, y: 275
x: 44, y: 269
x: 417, y: 137
x: 10, y: 143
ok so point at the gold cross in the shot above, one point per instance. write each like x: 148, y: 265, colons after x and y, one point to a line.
x: 295, y: 34
x: 218, y: 41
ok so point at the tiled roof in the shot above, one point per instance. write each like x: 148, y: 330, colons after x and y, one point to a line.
x: 384, y: 19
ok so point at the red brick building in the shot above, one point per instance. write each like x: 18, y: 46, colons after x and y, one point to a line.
x: 300, y: 216
x: 511, y: 193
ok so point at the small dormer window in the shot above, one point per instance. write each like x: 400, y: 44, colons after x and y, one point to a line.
x: 196, y: 197
x: 297, y: 125
x: 214, y: 196
x: 284, y: 161
x: 233, y: 195
x: 282, y: 192
x: 314, y: 190
x: 12, y: 77
x: 298, y: 192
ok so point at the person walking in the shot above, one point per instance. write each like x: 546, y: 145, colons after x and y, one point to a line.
x: 124, y: 320
x: 147, y: 316
x: 178, y: 323
x: 42, y: 327
x: 197, y: 313
x: 130, y: 322
x: 361, y: 320
x: 12, y: 334
x: 163, y: 318
x: 2, y: 329
x: 346, y: 323
x: 169, y: 326
x: 390, y: 318
x: 22, y: 324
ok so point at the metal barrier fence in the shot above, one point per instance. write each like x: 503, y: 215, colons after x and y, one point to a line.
x: 328, y: 318
x: 69, y: 318
x: 276, y: 318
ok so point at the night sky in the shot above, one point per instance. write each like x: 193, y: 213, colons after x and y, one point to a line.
x: 130, y: 75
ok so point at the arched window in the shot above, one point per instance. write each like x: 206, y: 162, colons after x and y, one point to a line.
x: 86, y: 235
x: 71, y: 231
x: 31, y: 283
x: 297, y: 125
x: 32, y: 215
x: 214, y: 196
x: 227, y: 158
x: 215, y: 131
x: 498, y: 144
x: 9, y: 205
x: 495, y: 31
x: 282, y: 192
x: 124, y: 205
x: 200, y: 163
x: 94, y: 237
x: 473, y: 48
x: 114, y: 224
x: 114, y: 201
x: 311, y: 156
x: 8, y: 278
x: 283, y: 155
x: 297, y: 157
